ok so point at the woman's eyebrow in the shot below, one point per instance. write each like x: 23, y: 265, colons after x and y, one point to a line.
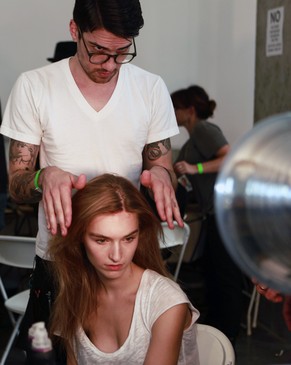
x: 131, y: 233
x: 97, y: 235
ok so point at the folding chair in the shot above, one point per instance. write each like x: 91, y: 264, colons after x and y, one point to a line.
x: 175, y: 237
x: 214, y: 347
x: 19, y: 252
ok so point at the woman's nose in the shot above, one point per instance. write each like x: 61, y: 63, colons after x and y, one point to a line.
x: 115, y: 252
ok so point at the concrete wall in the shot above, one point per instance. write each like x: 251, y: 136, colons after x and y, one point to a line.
x: 273, y: 73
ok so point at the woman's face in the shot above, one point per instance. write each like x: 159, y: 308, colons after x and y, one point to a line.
x: 182, y: 116
x: 110, y: 242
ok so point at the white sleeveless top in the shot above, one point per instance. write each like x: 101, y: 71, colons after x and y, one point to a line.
x: 155, y: 295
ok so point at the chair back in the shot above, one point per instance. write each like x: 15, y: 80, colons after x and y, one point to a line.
x: 17, y: 251
x: 174, y: 237
x: 213, y: 346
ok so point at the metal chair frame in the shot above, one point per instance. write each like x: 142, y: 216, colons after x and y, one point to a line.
x: 19, y: 252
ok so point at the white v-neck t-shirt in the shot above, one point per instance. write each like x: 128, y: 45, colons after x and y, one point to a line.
x: 155, y: 295
x: 47, y: 108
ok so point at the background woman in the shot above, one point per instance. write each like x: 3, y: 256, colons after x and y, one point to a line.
x: 200, y: 159
x: 116, y: 304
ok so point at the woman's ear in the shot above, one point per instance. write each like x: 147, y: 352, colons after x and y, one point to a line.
x: 191, y: 110
x: 192, y: 113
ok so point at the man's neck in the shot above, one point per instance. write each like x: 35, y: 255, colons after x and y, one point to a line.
x: 96, y: 94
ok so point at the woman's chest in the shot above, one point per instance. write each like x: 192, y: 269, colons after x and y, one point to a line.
x: 109, y: 328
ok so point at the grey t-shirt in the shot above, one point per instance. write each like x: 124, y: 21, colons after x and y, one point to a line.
x: 203, y: 144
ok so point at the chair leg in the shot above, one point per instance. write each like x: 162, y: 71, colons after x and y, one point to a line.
x: 249, y: 313
x: 256, y: 310
x: 179, y: 263
x: 4, y: 294
x: 11, y: 340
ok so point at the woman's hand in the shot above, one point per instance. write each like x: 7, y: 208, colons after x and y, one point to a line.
x: 183, y: 167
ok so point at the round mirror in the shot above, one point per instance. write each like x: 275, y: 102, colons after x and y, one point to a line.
x: 253, y: 202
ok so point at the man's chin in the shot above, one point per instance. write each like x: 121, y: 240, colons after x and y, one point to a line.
x: 104, y: 77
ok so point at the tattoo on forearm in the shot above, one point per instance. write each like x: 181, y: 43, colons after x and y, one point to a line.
x: 157, y: 149
x: 23, y: 154
x: 21, y: 189
x: 22, y: 157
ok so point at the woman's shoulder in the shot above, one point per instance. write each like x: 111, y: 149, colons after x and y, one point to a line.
x: 153, y: 276
x: 205, y: 125
x: 159, y: 294
x: 160, y: 286
x: 210, y: 133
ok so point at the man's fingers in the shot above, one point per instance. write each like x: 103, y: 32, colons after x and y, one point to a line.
x: 172, y: 211
x: 165, y: 199
x: 177, y: 213
x: 145, y: 179
x: 51, y: 219
x: 80, y: 182
x: 167, y: 206
x: 57, y: 198
x: 58, y: 210
x: 66, y: 202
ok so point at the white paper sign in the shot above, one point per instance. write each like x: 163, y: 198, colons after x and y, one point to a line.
x: 274, y: 39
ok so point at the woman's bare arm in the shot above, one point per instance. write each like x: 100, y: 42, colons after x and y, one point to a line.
x: 167, y: 333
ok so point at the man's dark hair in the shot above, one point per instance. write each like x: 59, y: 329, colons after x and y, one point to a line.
x: 120, y: 17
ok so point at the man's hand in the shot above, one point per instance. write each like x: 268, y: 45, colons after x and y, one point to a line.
x: 57, y: 186
x: 158, y: 181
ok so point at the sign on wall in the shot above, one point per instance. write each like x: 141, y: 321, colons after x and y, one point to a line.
x: 274, y: 39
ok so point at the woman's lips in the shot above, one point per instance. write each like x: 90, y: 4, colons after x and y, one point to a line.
x: 114, y: 267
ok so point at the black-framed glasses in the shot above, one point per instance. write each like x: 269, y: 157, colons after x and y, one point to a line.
x: 97, y: 58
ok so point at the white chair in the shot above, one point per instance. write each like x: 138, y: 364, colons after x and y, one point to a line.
x: 214, y: 347
x: 175, y: 237
x: 15, y: 251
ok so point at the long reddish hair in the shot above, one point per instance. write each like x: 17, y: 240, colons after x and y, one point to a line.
x: 77, y: 280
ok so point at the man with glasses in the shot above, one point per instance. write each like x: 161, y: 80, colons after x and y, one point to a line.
x: 87, y: 115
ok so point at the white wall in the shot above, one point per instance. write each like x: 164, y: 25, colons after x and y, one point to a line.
x: 208, y: 42
x: 29, y: 31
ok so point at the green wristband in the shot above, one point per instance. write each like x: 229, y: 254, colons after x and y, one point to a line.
x: 35, y: 181
x: 200, y: 168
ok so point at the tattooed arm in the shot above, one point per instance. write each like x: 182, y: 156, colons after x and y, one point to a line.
x: 160, y: 154
x: 56, y: 184
x: 159, y: 177
x: 22, y: 161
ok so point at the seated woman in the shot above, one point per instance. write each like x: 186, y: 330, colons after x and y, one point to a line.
x: 199, y: 161
x: 115, y: 303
